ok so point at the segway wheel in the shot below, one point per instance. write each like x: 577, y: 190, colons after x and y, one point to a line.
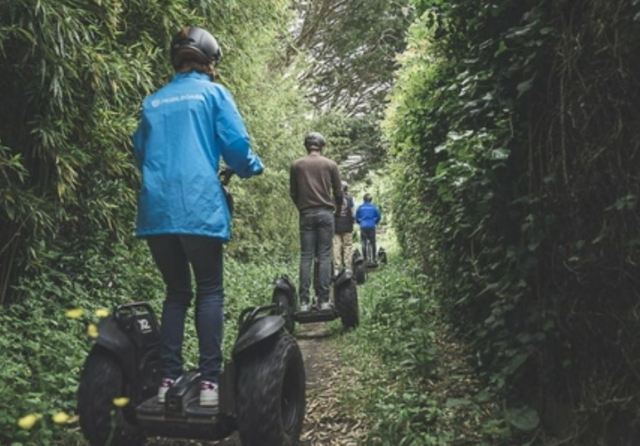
x: 347, y: 305
x: 102, y: 423
x: 271, y: 393
x: 286, y: 308
x: 360, y: 273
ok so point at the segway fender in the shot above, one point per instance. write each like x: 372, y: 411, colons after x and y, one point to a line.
x: 284, y: 283
x: 263, y: 328
x: 344, y: 278
x: 112, y: 338
x: 359, y: 268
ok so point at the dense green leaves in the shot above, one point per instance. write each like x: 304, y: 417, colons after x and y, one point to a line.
x: 351, y: 49
x: 42, y: 350
x: 512, y: 127
x: 513, y: 132
x: 74, y: 75
x: 412, y: 383
x: 346, y: 52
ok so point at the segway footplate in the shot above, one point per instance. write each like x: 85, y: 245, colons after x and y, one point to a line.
x: 196, y: 412
x: 152, y: 410
x: 316, y: 316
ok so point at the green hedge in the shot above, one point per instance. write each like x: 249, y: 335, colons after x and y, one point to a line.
x: 513, y: 128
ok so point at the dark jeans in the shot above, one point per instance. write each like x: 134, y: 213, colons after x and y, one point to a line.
x: 368, y: 234
x: 173, y: 255
x: 316, y: 242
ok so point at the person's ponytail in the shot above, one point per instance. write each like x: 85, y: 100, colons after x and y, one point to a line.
x: 192, y: 65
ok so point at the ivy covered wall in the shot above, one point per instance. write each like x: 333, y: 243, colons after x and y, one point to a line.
x: 514, y: 130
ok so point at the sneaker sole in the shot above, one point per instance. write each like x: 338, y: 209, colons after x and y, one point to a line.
x: 209, y: 403
x: 162, y: 398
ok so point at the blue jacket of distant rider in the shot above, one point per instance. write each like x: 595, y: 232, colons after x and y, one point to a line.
x: 185, y: 127
x: 368, y: 215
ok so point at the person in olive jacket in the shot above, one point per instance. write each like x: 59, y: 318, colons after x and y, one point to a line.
x: 186, y: 126
x: 343, y: 232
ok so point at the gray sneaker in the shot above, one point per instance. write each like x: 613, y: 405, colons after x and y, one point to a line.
x: 304, y: 307
x: 166, y: 384
x: 208, y: 393
x: 326, y: 306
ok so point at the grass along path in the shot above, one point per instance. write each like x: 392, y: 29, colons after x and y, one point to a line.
x: 403, y: 378
x: 400, y: 379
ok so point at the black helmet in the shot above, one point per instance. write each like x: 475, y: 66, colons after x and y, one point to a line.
x: 194, y: 44
x: 314, y: 140
x: 367, y: 198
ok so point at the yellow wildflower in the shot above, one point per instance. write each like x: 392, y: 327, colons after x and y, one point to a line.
x: 121, y: 402
x: 76, y: 313
x: 28, y: 421
x: 92, y: 331
x: 102, y: 312
x: 60, y: 418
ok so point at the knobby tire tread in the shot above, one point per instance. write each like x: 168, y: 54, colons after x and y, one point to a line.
x: 290, y: 323
x: 261, y: 375
x: 347, y: 304
x: 101, y: 381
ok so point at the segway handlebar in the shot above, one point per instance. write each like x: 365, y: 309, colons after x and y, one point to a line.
x: 248, y: 315
x: 134, y: 308
x: 225, y: 175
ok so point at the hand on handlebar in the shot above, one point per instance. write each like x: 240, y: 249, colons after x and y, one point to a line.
x: 225, y: 175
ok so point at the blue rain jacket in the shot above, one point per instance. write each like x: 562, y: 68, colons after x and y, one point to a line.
x: 185, y: 127
x: 367, y: 215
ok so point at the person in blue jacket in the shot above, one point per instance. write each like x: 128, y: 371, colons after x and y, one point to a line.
x: 186, y: 126
x: 368, y: 216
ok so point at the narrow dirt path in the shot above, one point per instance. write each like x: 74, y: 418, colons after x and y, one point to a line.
x: 325, y: 422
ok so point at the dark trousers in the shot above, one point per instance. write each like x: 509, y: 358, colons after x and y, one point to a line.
x: 368, y: 235
x: 316, y: 242
x: 175, y: 255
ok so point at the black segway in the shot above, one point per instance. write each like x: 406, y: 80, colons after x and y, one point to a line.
x: 261, y: 391
x: 345, y: 296
x: 382, y: 255
x: 369, y: 255
x: 359, y: 268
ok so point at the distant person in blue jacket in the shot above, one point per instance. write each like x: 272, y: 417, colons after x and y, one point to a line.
x: 182, y: 212
x: 368, y: 216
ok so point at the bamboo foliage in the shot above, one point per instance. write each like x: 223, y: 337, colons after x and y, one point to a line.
x: 72, y: 76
